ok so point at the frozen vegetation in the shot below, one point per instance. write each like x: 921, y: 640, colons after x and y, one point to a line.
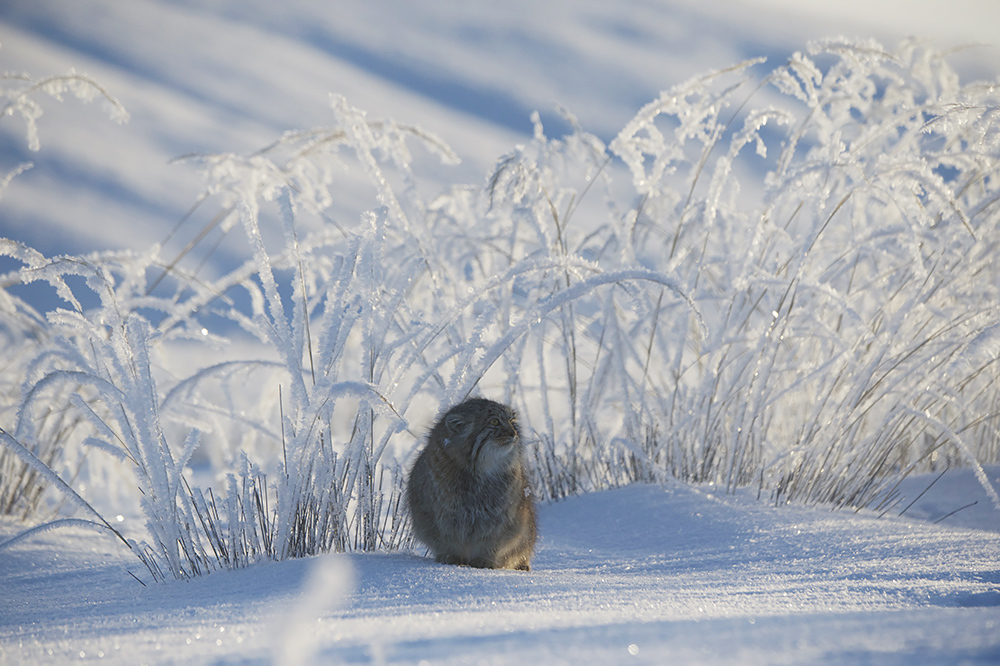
x: 796, y: 295
x: 773, y: 286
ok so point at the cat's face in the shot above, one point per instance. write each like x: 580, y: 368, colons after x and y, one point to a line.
x: 488, y: 431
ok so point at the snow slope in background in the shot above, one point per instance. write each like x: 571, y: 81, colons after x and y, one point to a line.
x: 637, y: 575
x: 232, y: 75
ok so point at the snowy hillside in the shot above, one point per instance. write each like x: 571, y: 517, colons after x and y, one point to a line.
x: 232, y: 76
x: 737, y: 276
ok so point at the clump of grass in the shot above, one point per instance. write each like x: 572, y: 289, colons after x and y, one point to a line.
x: 782, y: 280
x: 853, y: 315
x: 23, y: 331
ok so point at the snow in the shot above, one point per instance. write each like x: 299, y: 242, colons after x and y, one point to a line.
x: 642, y: 574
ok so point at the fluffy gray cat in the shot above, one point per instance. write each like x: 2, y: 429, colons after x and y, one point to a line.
x: 468, y: 492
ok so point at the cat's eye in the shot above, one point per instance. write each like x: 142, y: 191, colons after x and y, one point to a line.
x: 494, y: 421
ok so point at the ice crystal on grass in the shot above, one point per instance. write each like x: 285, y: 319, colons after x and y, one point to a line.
x: 18, y: 93
x: 784, y: 281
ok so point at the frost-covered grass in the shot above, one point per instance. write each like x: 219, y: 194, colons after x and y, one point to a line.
x: 780, y: 279
x: 23, y: 331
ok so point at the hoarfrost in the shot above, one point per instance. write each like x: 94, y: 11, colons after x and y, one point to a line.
x: 795, y: 292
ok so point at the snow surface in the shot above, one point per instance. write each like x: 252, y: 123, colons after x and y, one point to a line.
x: 635, y: 575
x: 641, y: 574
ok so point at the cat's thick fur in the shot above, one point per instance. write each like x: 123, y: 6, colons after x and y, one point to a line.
x: 468, y: 492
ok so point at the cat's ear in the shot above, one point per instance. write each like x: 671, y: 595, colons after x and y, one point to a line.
x: 455, y: 423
